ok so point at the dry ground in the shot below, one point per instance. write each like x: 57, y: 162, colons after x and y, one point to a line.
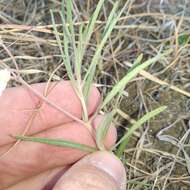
x: 158, y: 156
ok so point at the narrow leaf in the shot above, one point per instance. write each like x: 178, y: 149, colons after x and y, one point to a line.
x: 125, y: 139
x: 58, y: 142
x: 88, y: 84
x: 102, y: 130
x: 124, y: 81
x: 69, y: 9
x: 79, y: 53
x: 90, y: 27
x: 92, y: 68
x: 69, y: 38
x: 136, y: 63
x: 64, y: 56
x: 112, y: 14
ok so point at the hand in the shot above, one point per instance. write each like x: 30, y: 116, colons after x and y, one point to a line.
x: 40, y: 166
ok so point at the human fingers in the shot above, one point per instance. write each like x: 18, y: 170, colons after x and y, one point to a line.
x: 17, y: 107
x: 29, y: 158
x: 97, y: 171
x: 44, y: 181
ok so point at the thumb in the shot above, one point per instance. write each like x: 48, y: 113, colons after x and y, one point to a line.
x: 98, y: 171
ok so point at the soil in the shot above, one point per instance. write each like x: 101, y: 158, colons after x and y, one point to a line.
x: 162, y: 163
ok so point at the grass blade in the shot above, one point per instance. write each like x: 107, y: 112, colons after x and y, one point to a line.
x: 125, y: 139
x: 102, y: 130
x: 92, y: 68
x: 108, y: 29
x: 90, y: 28
x: 64, y: 55
x: 124, y: 81
x: 79, y: 51
x: 58, y: 142
x: 69, y: 38
x: 111, y: 17
x: 81, y: 43
x: 88, y: 84
x: 66, y: 39
x: 69, y: 9
x: 136, y: 63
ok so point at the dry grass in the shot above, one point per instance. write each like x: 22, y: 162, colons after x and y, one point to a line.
x: 158, y: 155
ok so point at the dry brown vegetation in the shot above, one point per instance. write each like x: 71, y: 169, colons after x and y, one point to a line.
x: 158, y: 156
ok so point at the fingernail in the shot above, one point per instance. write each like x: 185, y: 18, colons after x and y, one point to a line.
x: 110, y: 164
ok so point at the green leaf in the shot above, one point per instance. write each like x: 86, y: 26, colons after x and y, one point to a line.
x: 79, y: 53
x: 112, y: 16
x: 64, y: 53
x: 69, y: 9
x: 69, y: 40
x: 103, y: 129
x: 136, y: 63
x: 125, y: 80
x: 89, y: 76
x: 58, y: 142
x: 88, y: 84
x: 125, y: 139
x: 90, y: 27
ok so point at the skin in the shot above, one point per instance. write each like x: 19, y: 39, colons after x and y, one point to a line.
x: 40, y: 166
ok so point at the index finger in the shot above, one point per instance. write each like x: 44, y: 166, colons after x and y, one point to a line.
x: 17, y: 107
